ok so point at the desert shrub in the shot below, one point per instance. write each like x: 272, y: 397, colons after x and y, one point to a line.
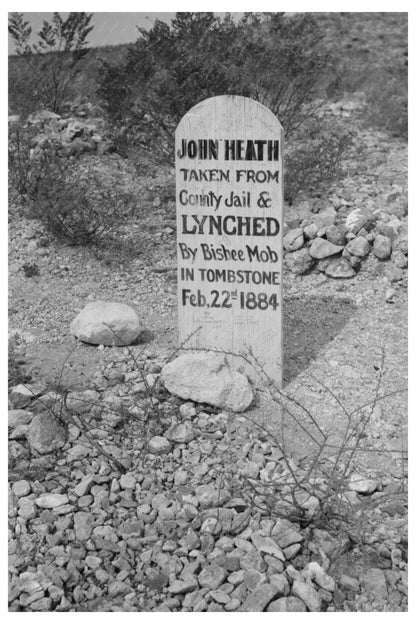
x: 276, y: 60
x: 51, y: 63
x: 30, y: 269
x: 317, y: 159
x: 75, y: 200
x: 16, y: 361
x: 386, y: 105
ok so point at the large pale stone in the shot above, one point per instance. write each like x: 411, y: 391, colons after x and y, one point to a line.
x: 107, y: 323
x: 207, y: 378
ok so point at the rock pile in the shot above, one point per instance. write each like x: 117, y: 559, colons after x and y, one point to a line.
x: 338, y: 243
x: 69, y: 136
x: 162, y: 529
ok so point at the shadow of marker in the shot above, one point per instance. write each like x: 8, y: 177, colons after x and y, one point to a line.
x: 308, y: 325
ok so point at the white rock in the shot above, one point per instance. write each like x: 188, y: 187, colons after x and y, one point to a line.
x: 107, y: 323
x: 207, y: 378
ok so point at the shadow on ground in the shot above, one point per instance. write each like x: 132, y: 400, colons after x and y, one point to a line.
x: 309, y: 324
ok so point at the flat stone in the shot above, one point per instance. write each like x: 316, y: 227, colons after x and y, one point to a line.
x: 159, y: 445
x: 50, y: 501
x: 307, y: 594
x: 340, y: 268
x: 321, y: 248
x: 258, y: 599
x: 287, y: 604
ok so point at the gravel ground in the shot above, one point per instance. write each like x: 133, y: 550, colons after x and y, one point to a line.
x: 130, y: 502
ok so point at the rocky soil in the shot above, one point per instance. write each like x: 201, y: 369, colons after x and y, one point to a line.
x: 125, y: 501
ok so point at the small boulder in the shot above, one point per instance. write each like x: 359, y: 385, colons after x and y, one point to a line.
x: 107, y: 323
x: 322, y: 248
x: 207, y: 378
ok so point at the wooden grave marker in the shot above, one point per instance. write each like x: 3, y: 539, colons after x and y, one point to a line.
x: 229, y: 204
